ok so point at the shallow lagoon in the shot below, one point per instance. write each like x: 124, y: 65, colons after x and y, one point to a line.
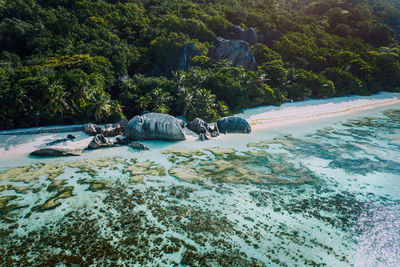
x: 326, y: 192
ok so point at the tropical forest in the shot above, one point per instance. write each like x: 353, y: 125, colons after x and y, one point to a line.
x: 68, y: 62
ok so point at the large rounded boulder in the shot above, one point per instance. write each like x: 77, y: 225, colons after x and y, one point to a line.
x: 233, y: 125
x: 155, y: 126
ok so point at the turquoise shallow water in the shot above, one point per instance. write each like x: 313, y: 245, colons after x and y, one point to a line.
x: 324, y: 193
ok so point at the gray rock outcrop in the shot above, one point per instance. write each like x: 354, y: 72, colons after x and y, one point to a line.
x: 201, y: 128
x: 90, y: 129
x: 237, y: 33
x: 155, y: 126
x: 233, y: 125
x: 106, y: 130
x: 55, y: 152
x: 236, y: 51
x: 198, y: 126
x: 100, y: 141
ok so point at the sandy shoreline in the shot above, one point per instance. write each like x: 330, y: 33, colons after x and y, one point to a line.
x: 14, y: 144
x: 294, y: 113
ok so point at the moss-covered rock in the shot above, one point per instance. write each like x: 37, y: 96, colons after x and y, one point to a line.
x: 221, y: 151
x: 56, y: 185
x: 186, y: 174
x: 6, y: 208
x: 285, y: 142
x: 183, y: 153
x: 91, y: 166
x: 20, y: 189
x: 140, y: 170
x: 226, y: 165
x: 53, y: 202
x: 29, y: 173
x: 97, y: 186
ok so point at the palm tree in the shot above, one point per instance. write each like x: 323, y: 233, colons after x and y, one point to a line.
x: 58, y: 103
x: 185, y: 94
x: 179, y: 78
x: 204, y: 104
x: 99, y: 105
x: 205, y: 98
x: 160, y: 100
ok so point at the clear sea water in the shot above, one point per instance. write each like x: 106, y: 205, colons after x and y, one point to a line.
x: 323, y: 193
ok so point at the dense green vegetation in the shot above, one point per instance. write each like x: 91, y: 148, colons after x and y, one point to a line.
x: 64, y: 61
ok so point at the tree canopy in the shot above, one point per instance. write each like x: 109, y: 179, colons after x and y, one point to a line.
x: 70, y: 61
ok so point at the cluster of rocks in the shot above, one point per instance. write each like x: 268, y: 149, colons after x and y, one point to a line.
x: 148, y: 126
x: 224, y: 125
x: 106, y: 130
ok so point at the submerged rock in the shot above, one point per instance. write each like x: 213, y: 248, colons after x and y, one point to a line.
x: 5, y: 208
x: 99, y: 141
x: 227, y: 165
x: 185, y: 174
x: 53, y: 202
x: 55, y: 152
x: 138, y: 146
x: 56, y: 185
x: 236, y: 51
x: 233, y: 125
x: 140, y: 170
x: 70, y: 137
x: 92, y: 166
x: 155, y: 126
x: 97, y: 186
x: 28, y: 174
